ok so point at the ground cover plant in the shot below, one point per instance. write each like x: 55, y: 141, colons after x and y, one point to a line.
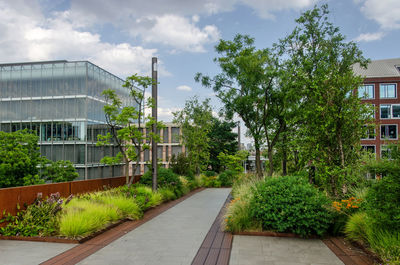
x: 80, y: 216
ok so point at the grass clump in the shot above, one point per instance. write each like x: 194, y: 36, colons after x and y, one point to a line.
x: 127, y: 206
x: 167, y: 193
x: 82, y: 217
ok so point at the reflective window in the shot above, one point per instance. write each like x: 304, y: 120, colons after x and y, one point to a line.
x: 385, y: 111
x: 387, y: 90
x: 388, y: 131
x: 366, y: 92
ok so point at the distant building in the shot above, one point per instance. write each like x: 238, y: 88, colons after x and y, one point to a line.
x: 381, y: 89
x: 62, y: 102
x: 170, y: 145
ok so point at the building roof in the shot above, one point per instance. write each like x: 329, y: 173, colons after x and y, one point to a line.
x: 379, y: 68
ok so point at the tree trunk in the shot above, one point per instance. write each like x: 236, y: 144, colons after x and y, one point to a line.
x: 270, y: 162
x: 284, y: 161
x: 127, y: 171
x: 340, y: 142
x: 258, y: 162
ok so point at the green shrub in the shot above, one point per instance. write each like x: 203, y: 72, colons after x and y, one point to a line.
x: 210, y: 173
x: 290, y: 204
x: 382, y: 203
x: 226, y: 178
x: 167, y: 194
x: 82, y: 217
x: 165, y: 177
x: 145, y: 197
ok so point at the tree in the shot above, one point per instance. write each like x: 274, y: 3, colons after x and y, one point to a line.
x: 238, y: 86
x: 195, y: 121
x: 330, y: 116
x: 126, y: 124
x: 19, y: 159
x: 22, y: 165
x: 249, y: 86
x: 233, y: 162
x: 222, y: 139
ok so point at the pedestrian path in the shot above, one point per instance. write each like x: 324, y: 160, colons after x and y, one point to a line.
x: 257, y: 250
x: 173, y: 237
x: 16, y: 252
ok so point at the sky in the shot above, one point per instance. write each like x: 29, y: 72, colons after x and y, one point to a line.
x: 122, y: 36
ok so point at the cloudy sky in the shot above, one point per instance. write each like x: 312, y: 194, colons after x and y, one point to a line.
x: 121, y: 36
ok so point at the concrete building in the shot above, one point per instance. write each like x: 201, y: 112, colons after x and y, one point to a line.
x: 170, y: 144
x: 381, y: 89
x: 61, y: 101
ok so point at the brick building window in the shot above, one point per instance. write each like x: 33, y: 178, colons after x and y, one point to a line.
x: 368, y: 148
x: 366, y: 92
x: 396, y: 111
x: 385, y: 111
x: 369, y: 133
x: 389, y: 131
x: 387, y: 91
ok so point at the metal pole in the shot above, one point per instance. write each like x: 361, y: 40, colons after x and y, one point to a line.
x: 154, y: 115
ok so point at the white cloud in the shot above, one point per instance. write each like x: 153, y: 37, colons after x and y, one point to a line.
x: 26, y: 35
x: 165, y: 114
x: 384, y: 12
x: 177, y: 32
x: 367, y: 37
x: 184, y: 88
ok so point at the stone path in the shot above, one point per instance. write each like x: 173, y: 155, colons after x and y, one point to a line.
x: 173, y: 237
x: 256, y: 250
x: 15, y: 252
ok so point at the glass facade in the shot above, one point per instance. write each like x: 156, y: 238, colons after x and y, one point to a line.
x: 61, y: 101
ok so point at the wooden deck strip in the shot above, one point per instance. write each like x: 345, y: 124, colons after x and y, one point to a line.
x: 82, y: 251
x: 216, y: 247
x: 347, y: 253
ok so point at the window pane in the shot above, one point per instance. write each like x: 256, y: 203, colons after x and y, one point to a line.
x: 389, y: 131
x: 387, y: 90
x: 396, y: 111
x: 385, y: 111
x: 366, y: 91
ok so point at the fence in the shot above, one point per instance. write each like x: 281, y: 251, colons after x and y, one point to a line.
x: 11, y: 197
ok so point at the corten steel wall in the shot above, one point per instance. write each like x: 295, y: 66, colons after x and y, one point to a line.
x: 10, y: 197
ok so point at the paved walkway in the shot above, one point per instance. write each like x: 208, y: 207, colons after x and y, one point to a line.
x: 15, y: 252
x: 257, y: 250
x: 173, y: 237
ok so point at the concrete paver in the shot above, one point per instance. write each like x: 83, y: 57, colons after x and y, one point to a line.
x: 254, y: 250
x: 173, y: 237
x: 15, y: 252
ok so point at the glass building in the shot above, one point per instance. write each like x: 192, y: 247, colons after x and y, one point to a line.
x: 61, y: 101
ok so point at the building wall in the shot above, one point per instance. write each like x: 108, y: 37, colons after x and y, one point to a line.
x: 62, y: 102
x: 379, y: 102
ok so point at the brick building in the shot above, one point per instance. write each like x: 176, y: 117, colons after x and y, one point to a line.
x: 381, y: 89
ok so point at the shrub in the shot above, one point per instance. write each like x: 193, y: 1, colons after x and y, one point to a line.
x: 82, y: 217
x: 382, y: 203
x: 165, y: 178
x: 167, y: 194
x: 210, y: 173
x: 290, y: 204
x: 39, y: 219
x: 145, y: 197
x: 226, y: 178
x: 180, y: 165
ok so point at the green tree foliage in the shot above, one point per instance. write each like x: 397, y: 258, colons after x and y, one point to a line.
x: 330, y: 116
x: 222, y: 139
x: 180, y: 164
x: 196, y: 120
x: 233, y: 162
x: 250, y: 86
x: 19, y: 158
x: 126, y: 124
x: 59, y: 171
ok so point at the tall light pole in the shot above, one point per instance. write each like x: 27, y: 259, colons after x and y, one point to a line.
x: 154, y: 115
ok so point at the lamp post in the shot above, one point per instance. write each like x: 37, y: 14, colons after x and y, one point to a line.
x: 154, y: 115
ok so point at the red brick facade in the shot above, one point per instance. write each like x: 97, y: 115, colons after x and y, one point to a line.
x: 377, y: 101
